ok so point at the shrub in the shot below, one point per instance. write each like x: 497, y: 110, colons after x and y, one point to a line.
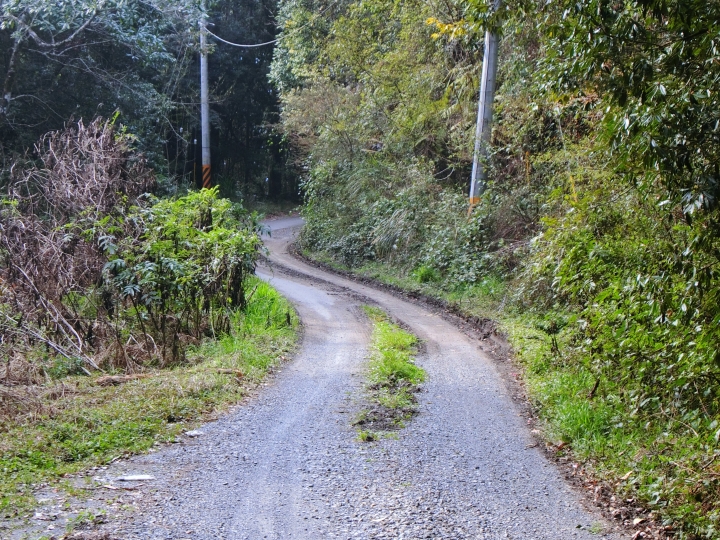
x: 182, y: 272
x: 51, y: 263
x: 426, y: 274
x: 93, y: 272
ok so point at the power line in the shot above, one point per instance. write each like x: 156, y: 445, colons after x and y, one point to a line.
x: 204, y: 85
x: 243, y: 46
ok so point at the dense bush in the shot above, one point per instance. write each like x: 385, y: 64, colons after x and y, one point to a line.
x: 180, y: 272
x: 50, y: 267
x: 92, y: 270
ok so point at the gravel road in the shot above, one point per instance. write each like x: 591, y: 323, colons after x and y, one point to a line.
x: 288, y: 464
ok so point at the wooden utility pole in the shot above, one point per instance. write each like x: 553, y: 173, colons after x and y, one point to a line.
x: 483, y: 129
x: 204, y: 102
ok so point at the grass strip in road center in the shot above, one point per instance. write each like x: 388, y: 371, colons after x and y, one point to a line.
x: 393, y: 379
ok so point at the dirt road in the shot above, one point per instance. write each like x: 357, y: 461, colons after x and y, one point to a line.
x: 289, y: 465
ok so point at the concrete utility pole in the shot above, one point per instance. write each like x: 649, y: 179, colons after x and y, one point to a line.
x: 483, y: 129
x: 204, y: 102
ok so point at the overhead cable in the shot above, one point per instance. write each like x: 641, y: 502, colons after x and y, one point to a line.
x: 242, y: 46
x: 239, y: 45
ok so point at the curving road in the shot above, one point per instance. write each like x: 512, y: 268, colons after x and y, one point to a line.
x: 288, y: 465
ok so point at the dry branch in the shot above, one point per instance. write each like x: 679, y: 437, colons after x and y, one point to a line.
x: 114, y: 380
x: 51, y: 260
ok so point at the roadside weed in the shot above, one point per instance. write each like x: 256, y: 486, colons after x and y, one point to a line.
x: 85, y: 519
x: 90, y: 424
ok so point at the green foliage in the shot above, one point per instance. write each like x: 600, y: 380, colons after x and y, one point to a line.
x: 87, y: 424
x: 657, y: 61
x: 391, y: 363
x: 663, y: 459
x: 646, y: 260
x: 136, y: 61
x: 365, y: 99
x: 426, y: 274
x: 96, y: 267
x: 62, y: 367
x: 184, y: 269
x: 393, y: 379
x: 600, y: 218
x: 83, y: 58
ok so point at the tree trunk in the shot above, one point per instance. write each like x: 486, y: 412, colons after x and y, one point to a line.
x: 9, y: 78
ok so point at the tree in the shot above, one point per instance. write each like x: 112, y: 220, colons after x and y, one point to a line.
x: 250, y: 157
x: 83, y: 58
x: 657, y: 63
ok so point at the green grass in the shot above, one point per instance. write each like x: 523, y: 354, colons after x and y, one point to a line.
x: 668, y: 463
x: 393, y: 350
x: 85, y: 519
x: 92, y: 425
x: 393, y: 378
x: 483, y: 299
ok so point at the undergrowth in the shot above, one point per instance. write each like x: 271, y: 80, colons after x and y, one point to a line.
x: 482, y: 299
x: 82, y: 424
x: 393, y: 379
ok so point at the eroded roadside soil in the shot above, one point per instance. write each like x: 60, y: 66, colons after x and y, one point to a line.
x: 287, y: 464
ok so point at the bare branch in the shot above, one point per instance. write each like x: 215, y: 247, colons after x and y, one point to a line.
x: 52, y: 45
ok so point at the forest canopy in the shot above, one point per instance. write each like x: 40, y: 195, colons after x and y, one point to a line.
x: 77, y: 59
